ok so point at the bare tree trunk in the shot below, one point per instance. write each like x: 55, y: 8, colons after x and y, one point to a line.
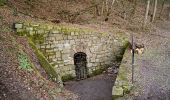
x: 155, y: 9
x: 113, y: 1
x: 107, y: 6
x: 146, y: 13
x: 163, y: 3
x: 111, y: 7
x: 102, y: 8
x: 97, y: 10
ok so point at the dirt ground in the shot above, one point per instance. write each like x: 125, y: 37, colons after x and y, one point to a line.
x: 152, y: 69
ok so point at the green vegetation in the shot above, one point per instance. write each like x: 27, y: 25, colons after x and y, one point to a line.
x: 37, y: 38
x: 34, y: 39
x: 3, y: 2
x: 116, y: 97
x: 44, y: 62
x: 97, y: 71
x: 67, y: 77
x: 21, y: 32
x: 24, y: 61
x: 122, y: 51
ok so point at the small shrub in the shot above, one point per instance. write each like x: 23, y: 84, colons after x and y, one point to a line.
x: 24, y: 61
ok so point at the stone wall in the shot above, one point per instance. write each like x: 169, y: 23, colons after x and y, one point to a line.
x: 123, y: 84
x: 60, y: 43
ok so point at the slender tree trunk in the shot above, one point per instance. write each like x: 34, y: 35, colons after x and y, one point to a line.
x: 111, y: 7
x: 162, y: 7
x: 155, y: 9
x: 107, y: 6
x: 97, y: 10
x: 146, y: 13
x: 102, y: 8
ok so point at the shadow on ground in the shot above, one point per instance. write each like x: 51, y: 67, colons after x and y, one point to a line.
x: 94, y: 88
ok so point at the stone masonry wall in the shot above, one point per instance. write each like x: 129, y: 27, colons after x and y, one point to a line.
x: 60, y: 43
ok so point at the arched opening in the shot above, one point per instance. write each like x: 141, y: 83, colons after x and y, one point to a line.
x: 80, y: 62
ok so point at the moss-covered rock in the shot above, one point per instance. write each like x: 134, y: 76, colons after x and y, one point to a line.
x: 67, y: 77
x: 44, y: 62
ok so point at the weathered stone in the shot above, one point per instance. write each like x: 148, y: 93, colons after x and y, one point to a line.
x: 117, y: 91
x: 127, y: 88
x: 20, y: 30
x: 72, y: 33
x: 59, y: 59
x: 58, y: 54
x: 60, y: 46
x: 59, y: 37
x: 54, y: 31
x: 65, y: 56
x: 65, y: 37
x: 92, y: 60
x: 49, y: 27
x: 29, y: 28
x: 18, y: 26
x: 92, y: 50
x: 31, y: 32
x: 97, y: 60
x: 61, y: 65
x: 94, y: 64
x: 76, y: 33
x: 67, y: 46
x: 89, y: 65
x: 70, y: 37
x: 34, y: 24
x: 65, y: 51
x: 72, y: 42
x: 40, y: 31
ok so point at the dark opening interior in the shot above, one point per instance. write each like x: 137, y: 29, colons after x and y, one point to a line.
x: 80, y: 62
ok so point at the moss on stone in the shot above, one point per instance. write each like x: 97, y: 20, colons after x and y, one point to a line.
x: 44, y: 62
x: 67, y: 77
x: 116, y: 97
x: 60, y: 28
x: 119, y: 56
x: 21, y: 32
x: 97, y: 71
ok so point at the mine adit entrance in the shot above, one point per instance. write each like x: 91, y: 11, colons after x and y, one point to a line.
x: 80, y: 62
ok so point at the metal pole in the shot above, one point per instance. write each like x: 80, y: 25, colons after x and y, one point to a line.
x: 133, y: 51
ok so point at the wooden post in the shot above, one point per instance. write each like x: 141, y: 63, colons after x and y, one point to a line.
x: 155, y: 9
x: 133, y: 51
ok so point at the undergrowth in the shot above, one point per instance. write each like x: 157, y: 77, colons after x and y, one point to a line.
x: 3, y: 2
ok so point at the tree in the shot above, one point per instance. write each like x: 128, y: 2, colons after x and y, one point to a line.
x: 162, y: 6
x: 146, y: 13
x: 154, y: 11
